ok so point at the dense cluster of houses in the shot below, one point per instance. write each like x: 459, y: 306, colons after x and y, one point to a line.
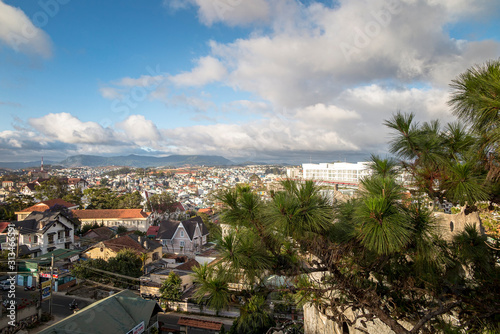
x: 51, y: 229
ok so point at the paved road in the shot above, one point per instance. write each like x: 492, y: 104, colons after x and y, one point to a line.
x: 60, y: 303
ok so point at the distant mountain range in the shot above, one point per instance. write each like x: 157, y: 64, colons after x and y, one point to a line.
x: 129, y: 161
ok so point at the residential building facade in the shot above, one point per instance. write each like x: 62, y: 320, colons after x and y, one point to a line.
x: 132, y: 219
x: 43, y: 232
x: 186, y: 236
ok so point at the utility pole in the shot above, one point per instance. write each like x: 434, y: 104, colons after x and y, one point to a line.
x: 51, y: 283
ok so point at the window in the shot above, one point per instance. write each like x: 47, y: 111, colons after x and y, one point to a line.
x: 182, y: 234
x: 35, y: 239
x: 50, y: 238
x: 182, y: 244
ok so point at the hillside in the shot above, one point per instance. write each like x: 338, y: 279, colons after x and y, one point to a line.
x: 145, y: 161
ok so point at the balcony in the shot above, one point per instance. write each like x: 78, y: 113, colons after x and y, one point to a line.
x: 61, y: 240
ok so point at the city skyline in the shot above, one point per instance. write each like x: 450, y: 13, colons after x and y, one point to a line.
x: 261, y: 80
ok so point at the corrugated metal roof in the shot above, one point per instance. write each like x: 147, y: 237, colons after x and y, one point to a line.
x: 118, y: 313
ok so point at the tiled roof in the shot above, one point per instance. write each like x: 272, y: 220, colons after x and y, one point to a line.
x: 75, y: 180
x: 198, y: 323
x: 153, y: 230
x: 3, y: 226
x: 133, y: 242
x: 45, y: 205
x: 188, y: 265
x: 125, y: 242
x: 110, y: 214
x: 100, y: 233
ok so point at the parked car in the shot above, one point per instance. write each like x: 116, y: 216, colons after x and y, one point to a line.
x: 5, y: 285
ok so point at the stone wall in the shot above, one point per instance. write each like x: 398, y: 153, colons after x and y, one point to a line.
x: 452, y: 224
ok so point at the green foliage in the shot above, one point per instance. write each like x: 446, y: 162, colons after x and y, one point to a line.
x: 160, y: 202
x: 119, y: 171
x: 171, y: 287
x: 130, y: 201
x: 121, y: 229
x: 254, y: 318
x: 51, y: 189
x: 211, y: 287
x: 379, y: 220
x: 101, y: 198
x: 126, y: 262
x: 88, y: 227
x: 15, y: 203
x: 443, y: 162
x: 74, y: 197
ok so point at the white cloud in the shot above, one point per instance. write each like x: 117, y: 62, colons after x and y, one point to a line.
x: 230, y: 12
x: 140, y: 130
x: 110, y: 92
x: 142, y: 81
x: 316, y: 52
x: 66, y: 128
x: 19, y: 33
x: 324, y: 78
x: 208, y: 70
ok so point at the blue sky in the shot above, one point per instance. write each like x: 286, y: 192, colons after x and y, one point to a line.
x: 277, y: 81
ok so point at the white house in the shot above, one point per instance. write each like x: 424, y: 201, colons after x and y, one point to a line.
x: 43, y: 232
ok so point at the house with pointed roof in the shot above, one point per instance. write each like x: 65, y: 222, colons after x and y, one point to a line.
x: 43, y: 232
x: 99, y: 234
x: 77, y: 182
x: 183, y: 236
x: 132, y: 219
x: 138, y: 244
x: 44, y: 206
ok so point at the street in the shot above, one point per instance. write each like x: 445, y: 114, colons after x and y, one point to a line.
x: 60, y: 303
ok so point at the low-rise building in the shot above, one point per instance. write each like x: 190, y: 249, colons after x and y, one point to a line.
x: 186, y: 236
x: 123, y: 312
x: 43, y: 232
x: 132, y: 219
x: 138, y: 244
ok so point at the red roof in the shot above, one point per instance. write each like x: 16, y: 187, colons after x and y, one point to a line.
x: 153, y: 230
x: 188, y: 265
x: 3, y: 226
x: 124, y: 242
x: 110, y: 214
x: 198, y: 323
x: 45, y: 205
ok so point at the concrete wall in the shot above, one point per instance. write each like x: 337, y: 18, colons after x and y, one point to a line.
x: 452, y: 224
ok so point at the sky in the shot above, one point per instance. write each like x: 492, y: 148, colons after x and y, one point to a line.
x: 284, y: 81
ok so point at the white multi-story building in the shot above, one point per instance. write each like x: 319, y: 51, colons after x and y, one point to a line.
x: 43, y: 232
x: 341, y: 172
